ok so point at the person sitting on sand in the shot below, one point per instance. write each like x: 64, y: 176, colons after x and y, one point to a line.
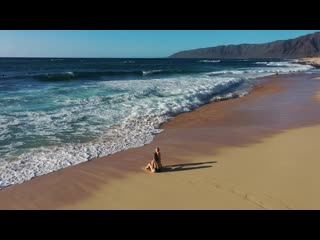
x: 155, y: 165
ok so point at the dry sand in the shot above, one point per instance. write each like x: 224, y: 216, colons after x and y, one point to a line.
x: 281, y: 172
x: 315, y: 61
x: 317, y: 94
x: 255, y: 152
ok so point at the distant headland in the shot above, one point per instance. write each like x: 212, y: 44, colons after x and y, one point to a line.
x: 304, y: 46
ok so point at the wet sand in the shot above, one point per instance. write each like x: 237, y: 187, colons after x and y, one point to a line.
x: 254, y: 152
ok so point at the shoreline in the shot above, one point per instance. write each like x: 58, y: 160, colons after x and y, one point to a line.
x: 57, y: 165
x: 137, y: 129
x: 231, y: 180
x: 312, y: 61
x: 206, y: 124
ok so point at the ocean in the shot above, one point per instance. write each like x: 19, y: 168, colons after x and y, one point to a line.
x: 57, y: 112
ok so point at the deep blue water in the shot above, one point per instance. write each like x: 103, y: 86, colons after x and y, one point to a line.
x: 59, y: 112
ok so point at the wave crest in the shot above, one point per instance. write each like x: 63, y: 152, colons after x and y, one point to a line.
x: 209, y: 61
x: 140, y: 111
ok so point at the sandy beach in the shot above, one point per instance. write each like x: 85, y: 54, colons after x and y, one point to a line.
x: 314, y: 61
x: 278, y: 173
x: 254, y: 152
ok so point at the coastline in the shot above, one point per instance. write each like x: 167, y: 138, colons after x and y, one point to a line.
x: 198, y: 135
x: 235, y: 178
x: 312, y: 61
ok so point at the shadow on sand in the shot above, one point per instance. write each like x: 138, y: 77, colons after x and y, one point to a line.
x: 185, y: 167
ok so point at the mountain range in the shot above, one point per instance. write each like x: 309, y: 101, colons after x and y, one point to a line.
x: 304, y: 46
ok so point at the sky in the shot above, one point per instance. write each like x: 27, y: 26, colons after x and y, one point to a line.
x: 127, y: 43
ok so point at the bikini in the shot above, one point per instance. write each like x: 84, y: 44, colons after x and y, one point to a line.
x: 157, y: 159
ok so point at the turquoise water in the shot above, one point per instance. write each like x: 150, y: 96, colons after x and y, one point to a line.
x: 60, y: 112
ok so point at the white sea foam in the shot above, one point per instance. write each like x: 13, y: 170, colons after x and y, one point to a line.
x: 287, y: 67
x: 273, y: 67
x: 151, y: 72
x: 226, y: 72
x: 138, y: 112
x: 209, y: 61
x: 129, y: 117
x: 279, y: 64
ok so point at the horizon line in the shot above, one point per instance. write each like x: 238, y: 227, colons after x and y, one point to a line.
x: 90, y: 57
